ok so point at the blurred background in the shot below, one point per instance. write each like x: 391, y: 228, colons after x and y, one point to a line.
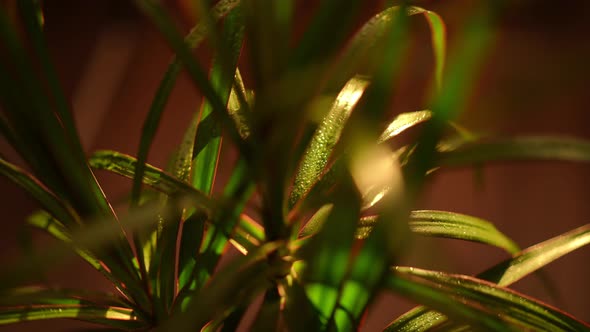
x: 535, y: 80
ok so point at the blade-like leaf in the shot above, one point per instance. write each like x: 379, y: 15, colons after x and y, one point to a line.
x: 505, y: 273
x: 537, y: 256
x: 32, y: 15
x: 208, y: 142
x: 119, y: 317
x: 364, y: 47
x: 35, y: 303
x: 404, y: 121
x: 150, y: 126
x: 165, y: 24
x: 61, y: 162
x: 325, y: 138
x: 449, y: 225
x: 523, y: 148
x: 491, y: 300
x: 236, y: 193
x: 122, y: 164
x: 33, y: 187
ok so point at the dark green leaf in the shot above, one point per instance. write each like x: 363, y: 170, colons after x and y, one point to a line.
x: 32, y: 15
x: 193, y: 39
x: 523, y: 148
x: 33, y: 187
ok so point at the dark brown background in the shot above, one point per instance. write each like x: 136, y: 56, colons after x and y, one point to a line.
x: 535, y: 80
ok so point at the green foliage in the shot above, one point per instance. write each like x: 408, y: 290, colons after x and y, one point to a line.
x: 310, y: 140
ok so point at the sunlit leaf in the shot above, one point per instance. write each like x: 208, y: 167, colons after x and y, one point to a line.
x: 36, y: 303
x: 450, y: 225
x: 325, y: 138
x: 404, y: 121
x: 537, y: 256
x: 506, y: 273
x: 122, y: 164
x: 490, y: 301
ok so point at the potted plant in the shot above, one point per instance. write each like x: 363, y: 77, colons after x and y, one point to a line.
x: 333, y: 200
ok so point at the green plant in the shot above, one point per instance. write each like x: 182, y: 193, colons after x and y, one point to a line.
x: 300, y: 158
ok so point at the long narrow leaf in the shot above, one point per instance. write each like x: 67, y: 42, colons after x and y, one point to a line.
x: 33, y: 187
x: 522, y: 148
x: 124, y: 165
x: 193, y: 39
x: 506, y: 273
x: 515, y: 309
x: 449, y: 225
x: 113, y: 316
x: 325, y: 138
x: 32, y: 15
x: 205, y: 157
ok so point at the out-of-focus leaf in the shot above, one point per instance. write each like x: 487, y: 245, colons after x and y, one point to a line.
x: 326, y: 32
x: 44, y: 221
x: 299, y: 312
x: 491, y: 301
x: 33, y: 187
x: 32, y: 16
x: 316, y: 222
x: 364, y: 47
x: 449, y: 225
x: 327, y: 255
x: 404, y: 121
x: 449, y: 100
x: 267, y: 318
x: 362, y: 282
x: 236, y: 109
x: 325, y: 138
x: 150, y: 126
x: 234, y: 285
x: 523, y: 148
